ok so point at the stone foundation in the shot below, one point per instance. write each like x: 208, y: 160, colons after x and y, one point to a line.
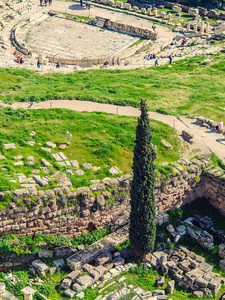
x: 191, y: 180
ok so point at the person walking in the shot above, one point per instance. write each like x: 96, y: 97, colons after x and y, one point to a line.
x: 38, y: 64
x: 113, y: 61
x: 156, y: 62
x: 171, y: 58
x: 118, y: 61
x: 41, y: 1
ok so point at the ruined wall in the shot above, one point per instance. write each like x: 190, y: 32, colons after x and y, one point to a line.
x: 108, y: 203
x: 141, y: 32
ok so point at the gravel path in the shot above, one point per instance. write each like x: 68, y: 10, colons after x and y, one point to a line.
x: 205, y: 140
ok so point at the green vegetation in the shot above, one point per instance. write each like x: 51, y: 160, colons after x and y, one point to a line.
x: 31, y: 244
x: 142, y: 216
x: 171, y: 90
x: 98, y: 138
x: 216, y: 161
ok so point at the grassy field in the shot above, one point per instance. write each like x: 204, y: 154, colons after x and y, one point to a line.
x: 98, y: 138
x: 191, y: 87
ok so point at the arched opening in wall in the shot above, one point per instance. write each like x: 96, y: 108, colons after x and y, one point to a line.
x: 91, y: 226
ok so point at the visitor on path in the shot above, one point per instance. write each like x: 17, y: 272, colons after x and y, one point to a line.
x: 46, y: 2
x: 171, y: 58
x: 219, y: 125
x: 113, y: 61
x: 57, y: 65
x: 88, y: 5
x: 156, y: 62
x: 50, y: 2
x: 174, y: 42
x: 106, y: 63
x: 18, y: 60
x: 183, y: 42
x: 154, y: 26
x: 38, y: 64
x: 153, y: 56
x: 41, y: 1
x: 118, y: 61
x: 21, y: 61
x: 81, y: 3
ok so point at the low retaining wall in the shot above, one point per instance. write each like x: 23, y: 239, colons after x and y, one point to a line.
x: 191, y: 180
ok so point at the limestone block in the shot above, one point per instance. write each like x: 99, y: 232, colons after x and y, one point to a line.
x: 170, y: 286
x: 39, y: 265
x: 119, y: 4
x: 59, y: 263
x: 155, y: 12
x: 127, y: 6
x: 143, y: 10
x: 111, y: 2
x: 104, y: 258
x: 135, y: 8
x: 162, y: 14
x: 84, y: 281
x: 176, y: 8
x: 44, y: 253
x: 149, y: 11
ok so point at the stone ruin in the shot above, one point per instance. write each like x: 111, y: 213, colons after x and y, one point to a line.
x: 188, y: 269
x: 130, y: 29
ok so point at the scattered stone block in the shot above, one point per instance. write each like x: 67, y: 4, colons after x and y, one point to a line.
x: 50, y: 144
x: 46, y: 149
x: 170, y: 286
x: 84, y: 281
x: 167, y: 145
x: 46, y: 163
x: 79, y: 172
x: 114, y: 170
x: 10, y: 146
x: 18, y: 163
x: 59, y: 263
x: 74, y: 163
x: 104, y: 258
x: 31, y: 143
x: 197, y: 294
x: 39, y: 265
x: 80, y: 295
x: 18, y: 157
x: 32, y: 133
x: 44, y: 253
x: 70, y: 293
x: 66, y: 283
x: 161, y: 281
x: 86, y: 166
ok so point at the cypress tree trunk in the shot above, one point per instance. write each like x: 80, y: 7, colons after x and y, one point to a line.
x: 142, y: 217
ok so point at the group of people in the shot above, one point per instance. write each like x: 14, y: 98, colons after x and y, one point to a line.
x: 19, y: 60
x: 151, y: 56
x: 117, y: 60
x: 45, y: 2
x: 39, y: 64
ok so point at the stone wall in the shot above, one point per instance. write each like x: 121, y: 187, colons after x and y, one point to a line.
x: 133, y: 30
x: 90, y: 207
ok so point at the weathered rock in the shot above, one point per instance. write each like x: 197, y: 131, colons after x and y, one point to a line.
x: 39, y: 265
x: 104, y: 258
x: 170, y: 286
x: 44, y: 253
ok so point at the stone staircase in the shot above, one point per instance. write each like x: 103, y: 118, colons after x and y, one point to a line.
x: 100, y: 22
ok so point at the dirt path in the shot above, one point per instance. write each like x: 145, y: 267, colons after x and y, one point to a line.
x: 204, y: 139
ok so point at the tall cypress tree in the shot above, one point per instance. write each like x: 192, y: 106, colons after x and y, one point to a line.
x: 142, y: 217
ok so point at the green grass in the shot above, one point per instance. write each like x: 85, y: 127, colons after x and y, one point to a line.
x: 98, y: 138
x: 190, y: 87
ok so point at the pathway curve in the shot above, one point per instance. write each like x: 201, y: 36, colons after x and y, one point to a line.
x: 204, y: 139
